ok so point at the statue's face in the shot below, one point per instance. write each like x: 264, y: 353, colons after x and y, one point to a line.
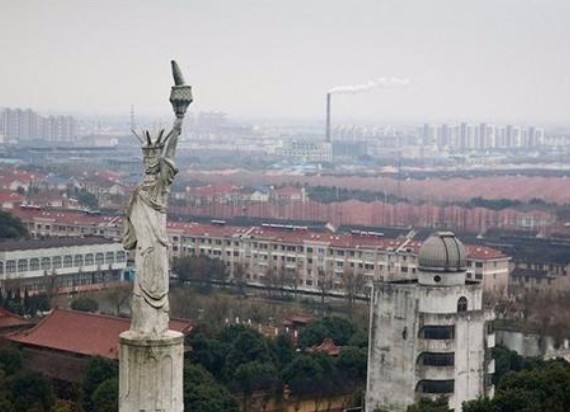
x: 151, y: 165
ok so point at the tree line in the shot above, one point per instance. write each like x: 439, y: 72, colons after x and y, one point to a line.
x: 522, y: 385
x: 259, y: 370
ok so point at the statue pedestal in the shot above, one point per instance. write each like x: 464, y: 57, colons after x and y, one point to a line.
x: 150, y: 372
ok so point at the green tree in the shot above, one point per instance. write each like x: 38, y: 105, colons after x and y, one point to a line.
x: 548, y: 385
x: 506, y: 360
x: 254, y: 376
x: 351, y: 365
x: 31, y: 391
x: 313, y: 334
x: 6, y: 404
x: 97, y: 371
x: 303, y: 375
x: 85, y: 304
x: 340, y: 330
x: 202, y: 393
x: 210, y: 353
x: 11, y: 226
x: 248, y: 346
x: 106, y: 396
x: 230, y: 333
x: 480, y: 405
x: 11, y: 360
x: 428, y: 405
x: 283, y: 349
x: 540, y: 387
x: 87, y: 199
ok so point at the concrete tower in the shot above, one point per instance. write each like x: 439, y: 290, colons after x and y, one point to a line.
x: 429, y: 336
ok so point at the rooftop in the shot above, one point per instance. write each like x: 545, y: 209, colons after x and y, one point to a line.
x: 30, y: 244
x: 11, y: 320
x: 83, y: 333
x: 290, y: 234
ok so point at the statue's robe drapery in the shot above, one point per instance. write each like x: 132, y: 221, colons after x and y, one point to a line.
x: 145, y: 231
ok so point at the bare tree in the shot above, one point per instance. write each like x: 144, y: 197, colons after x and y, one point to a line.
x: 353, y: 282
x: 118, y: 296
x: 271, y: 280
x: 325, y: 284
x: 239, y: 276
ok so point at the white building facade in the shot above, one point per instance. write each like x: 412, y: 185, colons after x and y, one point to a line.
x: 429, y: 336
x: 62, y: 265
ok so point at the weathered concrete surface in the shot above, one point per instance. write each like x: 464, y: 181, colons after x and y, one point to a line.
x: 150, y: 371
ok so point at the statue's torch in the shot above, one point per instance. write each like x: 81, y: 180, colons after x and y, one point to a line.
x: 180, y: 94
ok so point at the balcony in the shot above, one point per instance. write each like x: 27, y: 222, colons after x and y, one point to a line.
x: 436, y: 373
x: 436, y: 345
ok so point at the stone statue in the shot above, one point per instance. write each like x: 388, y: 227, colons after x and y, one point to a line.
x: 145, y: 229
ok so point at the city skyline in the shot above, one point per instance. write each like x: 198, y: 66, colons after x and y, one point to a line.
x: 495, y: 61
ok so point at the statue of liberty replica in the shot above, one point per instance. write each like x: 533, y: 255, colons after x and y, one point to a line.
x: 151, y: 356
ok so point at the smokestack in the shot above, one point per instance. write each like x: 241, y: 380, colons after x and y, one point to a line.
x: 328, y: 133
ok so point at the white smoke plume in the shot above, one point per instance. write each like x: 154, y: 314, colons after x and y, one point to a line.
x: 371, y: 84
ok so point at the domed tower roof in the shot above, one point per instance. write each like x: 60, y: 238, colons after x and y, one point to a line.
x: 442, y: 252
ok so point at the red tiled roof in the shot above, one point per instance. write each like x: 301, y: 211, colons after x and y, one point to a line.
x: 483, y: 252
x: 9, y: 319
x: 82, y: 333
x: 294, y: 237
x: 9, y: 196
x: 328, y: 347
x: 300, y: 319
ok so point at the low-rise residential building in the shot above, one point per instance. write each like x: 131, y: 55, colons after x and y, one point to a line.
x: 10, y: 199
x: 60, y: 264
x: 488, y: 266
x: 310, y: 259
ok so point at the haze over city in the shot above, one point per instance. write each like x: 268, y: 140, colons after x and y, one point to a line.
x: 502, y: 61
x: 284, y: 206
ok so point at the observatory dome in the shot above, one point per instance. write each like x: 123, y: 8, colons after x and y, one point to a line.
x: 442, y: 252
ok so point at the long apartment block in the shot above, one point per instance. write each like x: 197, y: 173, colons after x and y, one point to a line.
x: 304, y: 256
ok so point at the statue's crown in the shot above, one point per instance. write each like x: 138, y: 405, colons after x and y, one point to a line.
x: 153, y: 149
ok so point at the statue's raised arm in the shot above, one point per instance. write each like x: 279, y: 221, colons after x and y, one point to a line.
x: 180, y: 98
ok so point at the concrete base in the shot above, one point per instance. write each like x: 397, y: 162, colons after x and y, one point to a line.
x: 150, y: 372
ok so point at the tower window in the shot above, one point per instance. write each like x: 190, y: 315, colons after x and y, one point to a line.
x: 436, y: 386
x: 462, y: 304
x: 437, y: 332
x: 437, y: 359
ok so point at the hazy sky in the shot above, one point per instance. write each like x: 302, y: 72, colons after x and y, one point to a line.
x: 495, y: 60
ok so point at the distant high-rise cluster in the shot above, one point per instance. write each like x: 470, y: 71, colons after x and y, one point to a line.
x: 25, y: 124
x: 483, y: 136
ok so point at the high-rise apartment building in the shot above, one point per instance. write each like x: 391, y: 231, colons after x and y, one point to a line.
x: 25, y: 124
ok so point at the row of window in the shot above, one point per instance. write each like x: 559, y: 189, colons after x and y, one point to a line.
x: 38, y: 284
x: 287, y: 248
x: 57, y: 262
x: 290, y: 259
x: 83, y: 230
